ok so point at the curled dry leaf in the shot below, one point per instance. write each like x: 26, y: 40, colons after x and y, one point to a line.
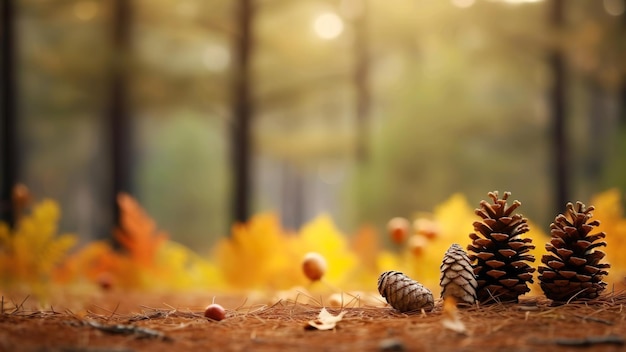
x: 325, y: 320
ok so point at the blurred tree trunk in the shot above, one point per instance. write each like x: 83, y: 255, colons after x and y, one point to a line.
x: 242, y: 111
x: 622, y: 98
x: 119, y: 117
x: 361, y: 81
x: 623, y: 87
x: 293, y: 187
x: 8, y: 139
x: 557, y: 103
x: 599, y: 128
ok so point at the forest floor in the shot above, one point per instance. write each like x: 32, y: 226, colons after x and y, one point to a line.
x: 125, y: 321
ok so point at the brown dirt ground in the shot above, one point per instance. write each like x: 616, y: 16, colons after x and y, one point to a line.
x: 176, y: 323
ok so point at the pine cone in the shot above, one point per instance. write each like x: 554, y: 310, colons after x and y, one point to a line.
x: 457, y: 276
x: 498, y: 253
x: 403, y: 293
x: 573, y: 269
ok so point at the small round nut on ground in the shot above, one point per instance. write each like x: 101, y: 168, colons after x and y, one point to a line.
x: 215, y: 312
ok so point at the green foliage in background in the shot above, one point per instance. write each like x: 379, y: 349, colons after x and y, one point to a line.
x: 182, y: 176
x: 458, y: 104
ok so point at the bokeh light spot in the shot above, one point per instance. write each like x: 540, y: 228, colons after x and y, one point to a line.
x: 463, y: 3
x: 614, y: 7
x: 85, y: 10
x: 215, y: 58
x: 328, y: 26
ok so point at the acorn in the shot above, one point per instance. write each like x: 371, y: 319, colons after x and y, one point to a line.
x: 314, y: 266
x: 215, y: 311
x: 398, y: 229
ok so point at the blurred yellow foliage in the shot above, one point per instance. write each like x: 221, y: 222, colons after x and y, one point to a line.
x: 261, y: 255
x: 181, y: 268
x: 610, y: 212
x: 540, y: 238
x: 256, y: 254
x: 322, y: 236
x: 30, y: 253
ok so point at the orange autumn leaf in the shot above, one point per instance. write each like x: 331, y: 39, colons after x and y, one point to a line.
x: 98, y: 261
x: 138, y: 233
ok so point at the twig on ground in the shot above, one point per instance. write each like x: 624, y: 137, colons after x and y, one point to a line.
x: 20, y: 306
x: 154, y: 315
x: 574, y: 296
x: 585, y: 341
x: 597, y: 320
x: 114, y: 311
x: 138, y: 331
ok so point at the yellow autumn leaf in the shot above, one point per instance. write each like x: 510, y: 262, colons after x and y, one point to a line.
x: 322, y: 236
x: 183, y: 269
x: 258, y: 255
x: 33, y: 250
x: 610, y: 213
x: 387, y: 261
x: 539, y: 239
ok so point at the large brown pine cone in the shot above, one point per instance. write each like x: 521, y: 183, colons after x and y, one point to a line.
x: 498, y: 253
x: 573, y: 268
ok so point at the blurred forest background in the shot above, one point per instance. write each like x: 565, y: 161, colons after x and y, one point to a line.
x: 209, y: 111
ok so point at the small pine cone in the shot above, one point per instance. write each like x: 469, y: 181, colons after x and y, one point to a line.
x: 457, y: 276
x: 498, y: 253
x: 403, y: 293
x: 573, y: 264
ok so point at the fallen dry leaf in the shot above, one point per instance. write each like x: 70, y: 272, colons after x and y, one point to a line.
x: 325, y: 320
x: 451, y: 320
